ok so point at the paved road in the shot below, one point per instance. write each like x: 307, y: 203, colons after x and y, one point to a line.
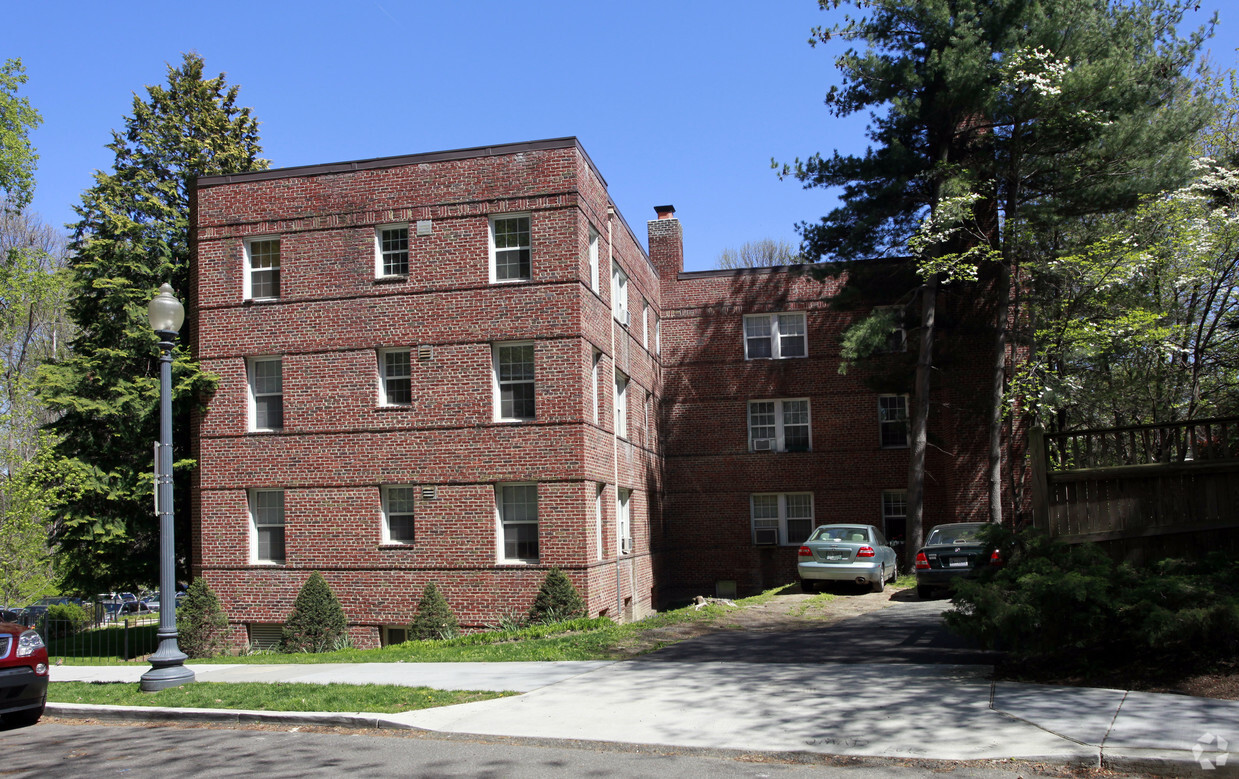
x: 909, y: 631
x: 74, y: 750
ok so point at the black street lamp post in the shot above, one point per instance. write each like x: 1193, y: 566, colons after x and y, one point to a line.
x: 168, y: 669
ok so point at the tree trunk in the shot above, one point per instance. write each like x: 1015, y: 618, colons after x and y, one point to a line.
x: 920, y: 423
x: 998, y: 384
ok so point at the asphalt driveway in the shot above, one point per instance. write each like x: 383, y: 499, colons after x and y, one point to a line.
x: 908, y: 631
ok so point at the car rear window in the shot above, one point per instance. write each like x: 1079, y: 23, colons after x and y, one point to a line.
x: 847, y: 534
x: 953, y: 535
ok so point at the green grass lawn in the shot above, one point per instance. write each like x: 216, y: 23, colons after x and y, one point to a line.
x: 584, y: 639
x: 269, y: 696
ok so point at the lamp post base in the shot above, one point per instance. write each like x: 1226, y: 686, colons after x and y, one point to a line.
x: 167, y: 667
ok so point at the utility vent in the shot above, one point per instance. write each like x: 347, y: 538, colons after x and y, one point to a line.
x: 424, y: 353
x: 626, y: 545
x: 395, y: 635
x: 265, y: 636
x: 430, y: 493
x: 766, y: 536
x: 763, y: 444
x: 425, y: 227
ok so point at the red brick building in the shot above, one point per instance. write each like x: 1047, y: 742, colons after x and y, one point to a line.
x: 462, y: 367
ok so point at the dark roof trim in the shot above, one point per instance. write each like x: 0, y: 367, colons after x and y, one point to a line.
x: 406, y: 159
x: 797, y: 268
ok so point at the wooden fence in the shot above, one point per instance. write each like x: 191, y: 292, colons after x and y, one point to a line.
x: 1143, y: 481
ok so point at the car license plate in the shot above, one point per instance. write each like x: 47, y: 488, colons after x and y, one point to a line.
x: 834, y: 555
x: 958, y: 562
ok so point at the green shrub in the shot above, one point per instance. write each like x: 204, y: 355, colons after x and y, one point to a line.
x: 317, y: 622
x: 1075, y: 605
x: 557, y: 600
x: 434, y: 619
x: 200, y: 621
x: 65, y: 619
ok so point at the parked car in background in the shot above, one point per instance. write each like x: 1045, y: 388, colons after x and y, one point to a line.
x: 951, y: 552
x: 846, y: 553
x: 36, y: 610
x: 133, y: 608
x: 23, y: 675
x: 11, y: 614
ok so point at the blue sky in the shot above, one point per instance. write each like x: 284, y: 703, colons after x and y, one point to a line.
x: 681, y: 102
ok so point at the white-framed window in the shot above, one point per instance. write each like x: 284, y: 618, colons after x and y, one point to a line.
x: 893, y: 421
x: 658, y: 335
x: 262, y: 268
x: 775, y: 336
x: 598, y: 520
x: 266, y: 526
x: 621, y: 405
x: 395, y: 377
x: 645, y: 325
x: 895, y: 516
x: 398, y: 514
x: 623, y: 520
x: 514, y: 382
x: 619, y: 293
x: 516, y: 511
x: 596, y: 382
x: 594, y: 279
x: 266, y: 385
x: 779, y: 426
x: 509, y: 249
x: 649, y: 419
x: 391, y: 250
x: 789, y: 514
x: 897, y: 339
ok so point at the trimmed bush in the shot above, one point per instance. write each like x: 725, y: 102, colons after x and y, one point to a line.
x: 200, y: 621
x: 317, y: 622
x: 65, y: 619
x: 557, y: 600
x: 434, y: 619
x: 1074, y: 605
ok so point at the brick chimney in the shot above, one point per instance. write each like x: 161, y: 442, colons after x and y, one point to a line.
x: 666, y: 244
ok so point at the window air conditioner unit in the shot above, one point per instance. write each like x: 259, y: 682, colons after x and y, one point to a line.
x: 766, y: 536
x: 627, y: 320
x: 626, y: 545
x: 763, y: 444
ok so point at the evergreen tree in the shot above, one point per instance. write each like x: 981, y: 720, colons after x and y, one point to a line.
x: 132, y: 236
x: 994, y: 123
x: 200, y: 621
x: 557, y: 599
x: 317, y: 622
x: 434, y: 619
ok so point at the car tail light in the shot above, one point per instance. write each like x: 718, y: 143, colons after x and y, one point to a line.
x: 865, y: 551
x: 995, y: 558
x: 922, y: 562
x: 805, y: 552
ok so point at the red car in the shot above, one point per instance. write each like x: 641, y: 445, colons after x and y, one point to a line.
x: 23, y: 675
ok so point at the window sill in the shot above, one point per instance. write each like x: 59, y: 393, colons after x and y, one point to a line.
x: 391, y: 279
x: 269, y: 563
x: 511, y: 281
x: 387, y: 408
x: 397, y: 545
x: 259, y: 301
x: 515, y: 421
x: 266, y: 431
x: 517, y: 563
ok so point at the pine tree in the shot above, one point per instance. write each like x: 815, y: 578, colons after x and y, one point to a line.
x: 200, y: 621
x: 994, y: 123
x: 132, y: 236
x: 434, y: 619
x: 317, y: 622
x: 557, y: 599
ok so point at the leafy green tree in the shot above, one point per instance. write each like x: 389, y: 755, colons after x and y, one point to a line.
x: 557, y: 599
x: 132, y: 236
x: 317, y: 622
x: 995, y: 123
x: 434, y: 618
x: 17, y: 119
x: 200, y: 621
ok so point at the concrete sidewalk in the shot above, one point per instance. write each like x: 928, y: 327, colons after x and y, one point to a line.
x: 939, y: 712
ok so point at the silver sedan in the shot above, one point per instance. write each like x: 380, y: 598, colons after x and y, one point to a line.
x: 846, y: 553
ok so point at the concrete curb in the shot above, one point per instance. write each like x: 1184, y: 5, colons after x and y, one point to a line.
x: 361, y: 720
x: 1165, y: 762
